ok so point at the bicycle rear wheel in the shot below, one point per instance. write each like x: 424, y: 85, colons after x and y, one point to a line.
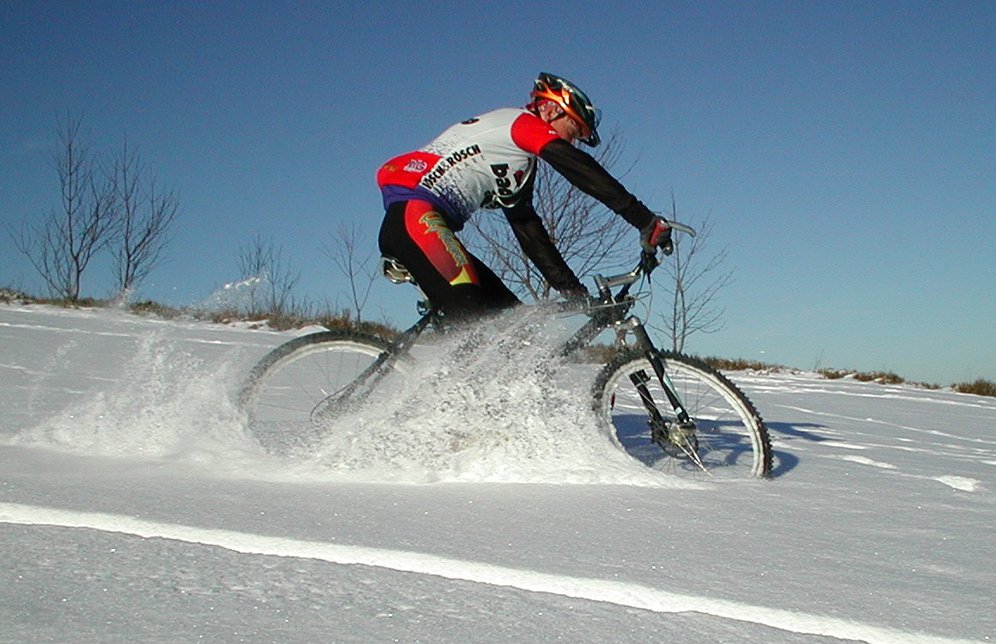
x: 300, y: 386
x: 725, y: 437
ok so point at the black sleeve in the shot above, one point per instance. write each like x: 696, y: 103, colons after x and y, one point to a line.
x: 535, y: 241
x: 583, y: 171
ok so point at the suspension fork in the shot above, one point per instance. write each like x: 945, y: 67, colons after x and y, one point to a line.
x: 658, y: 426
x: 657, y: 361
x: 590, y: 330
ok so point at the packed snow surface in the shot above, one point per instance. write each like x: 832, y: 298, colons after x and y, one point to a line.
x: 478, y: 502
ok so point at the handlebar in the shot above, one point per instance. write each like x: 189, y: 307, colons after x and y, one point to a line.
x: 648, y: 262
x: 605, y: 299
x: 606, y: 283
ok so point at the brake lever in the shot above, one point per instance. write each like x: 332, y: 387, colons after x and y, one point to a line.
x: 648, y: 262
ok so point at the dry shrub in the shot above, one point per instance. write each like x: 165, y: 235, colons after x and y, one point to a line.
x: 980, y: 388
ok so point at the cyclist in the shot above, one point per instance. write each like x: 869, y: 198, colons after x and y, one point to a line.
x: 489, y: 162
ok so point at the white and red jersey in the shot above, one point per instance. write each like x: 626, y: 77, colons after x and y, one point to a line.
x: 484, y: 162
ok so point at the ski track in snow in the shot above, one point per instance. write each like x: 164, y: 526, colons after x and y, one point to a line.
x: 867, y: 461
x: 623, y: 594
x: 126, y: 335
x: 959, y: 482
x: 921, y: 440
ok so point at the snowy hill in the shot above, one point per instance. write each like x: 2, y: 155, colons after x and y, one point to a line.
x: 134, y: 508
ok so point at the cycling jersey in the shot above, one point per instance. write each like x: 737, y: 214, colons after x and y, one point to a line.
x: 483, y: 162
x: 489, y: 161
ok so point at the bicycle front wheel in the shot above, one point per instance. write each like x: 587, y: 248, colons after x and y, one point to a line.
x: 723, y: 438
x: 302, y: 384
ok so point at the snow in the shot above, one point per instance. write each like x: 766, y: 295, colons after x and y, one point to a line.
x: 134, y: 507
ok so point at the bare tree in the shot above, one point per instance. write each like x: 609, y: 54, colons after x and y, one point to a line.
x: 695, y: 278
x: 585, y: 232
x: 358, y: 268
x: 270, y: 284
x: 144, y: 214
x: 62, y: 244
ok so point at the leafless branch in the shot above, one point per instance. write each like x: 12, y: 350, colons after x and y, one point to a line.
x: 144, y: 216
x: 61, y: 245
x: 358, y: 268
x: 270, y: 284
x: 695, y: 279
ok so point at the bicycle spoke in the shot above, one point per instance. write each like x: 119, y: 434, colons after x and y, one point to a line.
x: 726, y: 437
x: 296, y: 390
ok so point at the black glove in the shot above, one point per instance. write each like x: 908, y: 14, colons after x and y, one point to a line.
x: 656, y: 234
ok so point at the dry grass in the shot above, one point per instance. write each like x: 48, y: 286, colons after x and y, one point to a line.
x: 884, y: 377
x: 741, y: 364
x: 980, y: 387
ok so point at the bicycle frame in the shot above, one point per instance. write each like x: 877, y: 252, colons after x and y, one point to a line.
x: 610, y: 310
x: 313, y: 379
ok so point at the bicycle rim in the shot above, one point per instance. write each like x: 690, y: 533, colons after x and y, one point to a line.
x: 729, y: 438
x: 294, y: 392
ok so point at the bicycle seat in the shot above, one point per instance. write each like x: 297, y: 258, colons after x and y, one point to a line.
x: 395, y: 271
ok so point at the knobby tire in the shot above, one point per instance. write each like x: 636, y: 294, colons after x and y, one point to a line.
x: 298, y: 387
x: 730, y: 439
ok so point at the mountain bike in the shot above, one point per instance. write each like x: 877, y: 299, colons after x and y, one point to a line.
x: 671, y: 411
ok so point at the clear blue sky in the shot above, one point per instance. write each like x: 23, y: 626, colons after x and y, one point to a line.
x: 846, y: 151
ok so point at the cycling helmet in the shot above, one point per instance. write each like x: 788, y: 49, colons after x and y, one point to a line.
x: 573, y: 101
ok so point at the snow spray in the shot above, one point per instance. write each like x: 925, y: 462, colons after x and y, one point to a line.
x: 490, y: 403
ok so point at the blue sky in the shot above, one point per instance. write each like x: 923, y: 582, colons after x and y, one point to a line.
x: 845, y: 151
